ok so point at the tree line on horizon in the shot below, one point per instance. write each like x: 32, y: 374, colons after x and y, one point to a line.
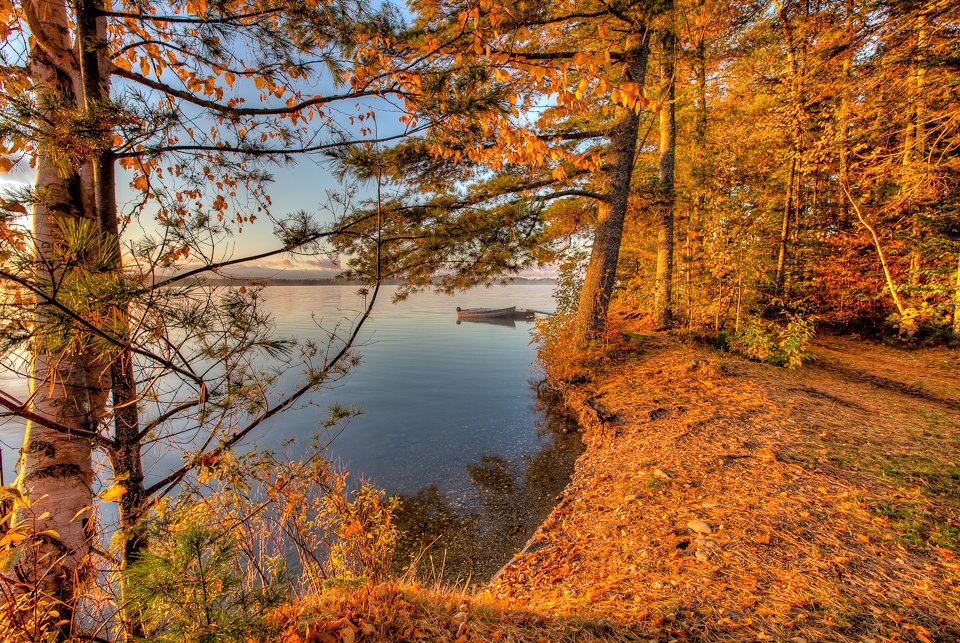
x: 716, y: 161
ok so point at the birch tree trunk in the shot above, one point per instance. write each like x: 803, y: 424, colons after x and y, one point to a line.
x: 663, y: 314
x: 67, y: 387
x: 602, y: 267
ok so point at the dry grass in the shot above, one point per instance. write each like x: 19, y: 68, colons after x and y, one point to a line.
x: 830, y: 491
x: 404, y: 612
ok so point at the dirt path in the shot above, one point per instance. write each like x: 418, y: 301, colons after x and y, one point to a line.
x: 826, y: 499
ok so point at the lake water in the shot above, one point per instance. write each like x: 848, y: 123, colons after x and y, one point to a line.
x: 451, y: 422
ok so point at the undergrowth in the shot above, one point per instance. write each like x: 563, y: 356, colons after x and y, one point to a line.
x: 780, y: 344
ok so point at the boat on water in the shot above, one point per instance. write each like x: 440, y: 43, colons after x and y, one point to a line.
x: 511, y: 313
x: 486, y: 313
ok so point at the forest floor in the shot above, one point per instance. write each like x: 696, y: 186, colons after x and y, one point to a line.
x: 722, y: 499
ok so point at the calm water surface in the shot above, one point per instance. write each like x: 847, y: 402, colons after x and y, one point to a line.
x: 450, y: 421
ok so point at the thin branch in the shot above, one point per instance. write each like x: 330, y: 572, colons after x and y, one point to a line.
x: 19, y: 409
x: 96, y: 330
x: 575, y: 136
x: 876, y: 243
x: 167, y: 483
x: 261, y: 151
x: 562, y: 193
x: 163, y: 417
x: 249, y: 111
x: 189, y: 21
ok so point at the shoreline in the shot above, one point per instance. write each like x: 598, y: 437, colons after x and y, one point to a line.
x: 713, y: 501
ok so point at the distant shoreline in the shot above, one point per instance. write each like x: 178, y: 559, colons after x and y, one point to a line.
x: 250, y: 281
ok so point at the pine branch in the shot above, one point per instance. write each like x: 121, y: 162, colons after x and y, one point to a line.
x: 190, y: 21
x: 96, y: 330
x: 262, y: 151
x: 228, y: 110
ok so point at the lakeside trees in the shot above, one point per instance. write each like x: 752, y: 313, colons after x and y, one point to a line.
x: 762, y: 119
x: 540, y: 139
x: 190, y: 100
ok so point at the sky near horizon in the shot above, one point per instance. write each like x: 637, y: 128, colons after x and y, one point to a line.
x: 300, y: 186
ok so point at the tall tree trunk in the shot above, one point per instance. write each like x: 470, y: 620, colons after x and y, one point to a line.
x: 780, y: 278
x: 602, y: 267
x: 67, y: 387
x: 796, y: 103
x: 700, y: 166
x: 125, y: 456
x: 663, y: 316
x: 956, y: 303
x: 912, y: 150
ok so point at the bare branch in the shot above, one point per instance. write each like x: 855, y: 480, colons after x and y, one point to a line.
x: 20, y: 409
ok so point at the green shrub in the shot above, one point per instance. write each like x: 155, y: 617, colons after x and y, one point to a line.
x: 754, y: 341
x: 773, y: 343
x: 190, y: 588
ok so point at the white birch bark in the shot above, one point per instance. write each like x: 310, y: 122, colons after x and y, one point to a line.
x: 68, y: 388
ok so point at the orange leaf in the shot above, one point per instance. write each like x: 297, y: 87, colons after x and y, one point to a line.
x: 113, y: 493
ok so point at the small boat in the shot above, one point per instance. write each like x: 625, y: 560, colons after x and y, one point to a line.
x: 468, y: 313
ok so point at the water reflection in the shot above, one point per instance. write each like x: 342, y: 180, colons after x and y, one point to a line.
x: 512, y: 500
x: 496, y: 321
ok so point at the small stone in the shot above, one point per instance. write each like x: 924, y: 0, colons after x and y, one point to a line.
x: 605, y: 624
x: 700, y: 527
x: 660, y: 473
x: 657, y: 585
x: 702, y: 555
x: 645, y: 553
x: 705, y: 542
x: 659, y: 414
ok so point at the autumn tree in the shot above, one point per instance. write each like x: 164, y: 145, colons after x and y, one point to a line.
x: 538, y: 111
x: 189, y: 101
x: 663, y: 314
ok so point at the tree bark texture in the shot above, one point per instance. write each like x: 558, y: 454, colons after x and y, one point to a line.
x: 663, y: 313
x: 68, y: 387
x: 956, y: 303
x: 125, y: 456
x: 796, y: 101
x: 913, y: 151
x: 602, y: 267
x: 780, y: 278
